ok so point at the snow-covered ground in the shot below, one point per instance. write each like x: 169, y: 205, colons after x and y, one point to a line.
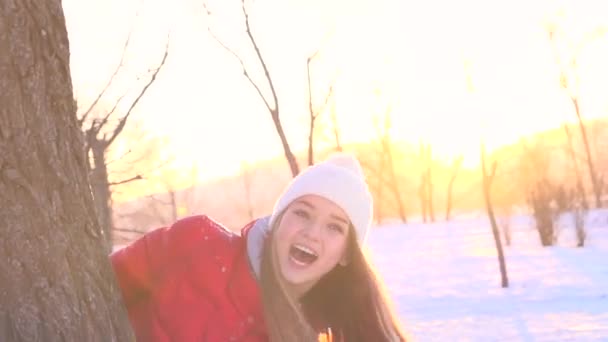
x: 445, y: 280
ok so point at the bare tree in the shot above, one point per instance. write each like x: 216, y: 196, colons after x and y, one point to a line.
x: 579, y: 224
x: 271, y: 105
x: 387, y: 168
x: 335, y: 128
x: 100, y: 132
x: 163, y: 207
x: 312, y: 111
x: 505, y: 224
x: 429, y: 181
x: 455, y: 169
x: 487, y: 178
x: 377, y: 182
x: 579, y: 183
x: 425, y: 191
x: 396, y: 188
x: 422, y: 196
x: 540, y: 198
x: 175, y: 199
x: 537, y: 187
x: 56, y: 282
x: 570, y: 84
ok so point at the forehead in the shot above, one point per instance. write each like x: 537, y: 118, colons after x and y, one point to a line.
x: 323, y: 206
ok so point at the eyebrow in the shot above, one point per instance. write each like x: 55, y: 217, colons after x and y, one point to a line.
x: 334, y: 216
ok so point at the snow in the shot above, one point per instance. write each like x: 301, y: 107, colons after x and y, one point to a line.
x: 445, y: 281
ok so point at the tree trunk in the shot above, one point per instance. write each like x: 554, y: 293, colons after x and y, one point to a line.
x: 311, y: 159
x: 56, y: 282
x: 422, y: 196
x: 379, y: 202
x: 448, y: 207
x: 311, y: 112
x: 336, y: 131
x: 429, y: 183
x: 579, y: 183
x: 487, y: 184
x: 291, y: 159
x: 101, y: 193
x: 429, y: 197
x: 594, y: 183
x: 455, y: 169
x: 394, y: 181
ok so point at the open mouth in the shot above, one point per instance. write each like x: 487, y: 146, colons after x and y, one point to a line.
x: 302, y: 255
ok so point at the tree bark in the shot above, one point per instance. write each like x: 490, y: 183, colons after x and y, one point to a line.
x: 56, y: 282
x: 102, y: 195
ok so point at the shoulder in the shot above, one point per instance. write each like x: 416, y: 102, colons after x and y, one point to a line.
x: 189, y: 234
x: 193, y: 229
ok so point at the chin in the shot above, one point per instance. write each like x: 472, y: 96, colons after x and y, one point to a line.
x: 295, y: 279
x: 300, y: 283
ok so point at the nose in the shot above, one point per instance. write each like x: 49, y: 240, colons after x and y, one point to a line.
x: 313, y: 231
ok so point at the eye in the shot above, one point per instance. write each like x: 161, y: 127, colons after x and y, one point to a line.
x: 301, y: 213
x: 336, y: 228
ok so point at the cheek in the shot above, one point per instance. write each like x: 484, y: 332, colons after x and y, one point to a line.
x: 337, y: 249
x: 289, y: 225
x: 286, y: 229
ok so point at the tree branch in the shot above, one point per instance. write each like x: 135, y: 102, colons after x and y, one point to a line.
x: 492, y: 173
x: 330, y: 93
x: 158, y: 200
x: 261, y: 60
x: 138, y: 177
x: 104, y: 121
x: 244, y: 68
x: 97, y: 125
x: 245, y: 71
x: 107, y: 86
x: 123, y: 121
x: 313, y: 116
x: 109, y: 162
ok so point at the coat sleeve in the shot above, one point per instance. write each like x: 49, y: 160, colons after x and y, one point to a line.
x: 139, y: 266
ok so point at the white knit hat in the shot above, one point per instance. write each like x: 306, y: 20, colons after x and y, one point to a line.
x: 339, y: 179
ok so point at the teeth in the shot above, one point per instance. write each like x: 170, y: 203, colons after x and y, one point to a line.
x: 298, y: 262
x: 305, y: 249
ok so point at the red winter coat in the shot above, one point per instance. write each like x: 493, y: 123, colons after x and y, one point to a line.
x: 191, y: 282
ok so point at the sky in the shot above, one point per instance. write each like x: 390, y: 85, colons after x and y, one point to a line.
x: 413, y: 57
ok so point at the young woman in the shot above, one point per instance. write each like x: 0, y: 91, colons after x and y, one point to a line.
x: 297, y: 275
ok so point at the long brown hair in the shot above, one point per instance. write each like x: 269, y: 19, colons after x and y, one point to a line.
x: 349, y: 303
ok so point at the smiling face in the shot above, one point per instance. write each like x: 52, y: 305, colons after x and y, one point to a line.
x: 310, y: 241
